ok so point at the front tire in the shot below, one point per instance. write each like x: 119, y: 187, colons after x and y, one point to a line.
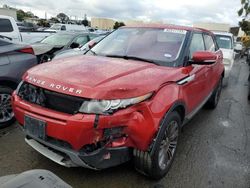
x: 155, y: 165
x: 6, y: 112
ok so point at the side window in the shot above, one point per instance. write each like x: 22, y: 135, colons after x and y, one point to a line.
x: 197, y: 44
x: 5, y: 25
x: 81, y: 40
x: 209, y: 43
x: 63, y: 28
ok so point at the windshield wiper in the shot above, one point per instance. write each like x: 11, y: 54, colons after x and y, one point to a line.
x: 133, y: 58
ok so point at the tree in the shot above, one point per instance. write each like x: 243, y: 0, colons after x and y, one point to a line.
x: 43, y: 23
x: 20, y: 15
x: 63, y: 18
x: 244, y: 13
x: 29, y: 14
x: 54, y: 20
x: 85, y: 22
x: 118, y: 24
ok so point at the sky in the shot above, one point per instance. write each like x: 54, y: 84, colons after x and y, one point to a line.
x: 183, y: 12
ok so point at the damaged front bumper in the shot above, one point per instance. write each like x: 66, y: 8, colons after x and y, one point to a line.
x: 86, y: 140
x: 99, y: 159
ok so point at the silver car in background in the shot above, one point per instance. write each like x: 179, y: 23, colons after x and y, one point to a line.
x: 15, y: 59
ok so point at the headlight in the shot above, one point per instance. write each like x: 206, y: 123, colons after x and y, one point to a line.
x: 108, y: 106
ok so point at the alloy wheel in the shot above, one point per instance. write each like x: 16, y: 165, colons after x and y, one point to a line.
x: 168, y: 145
x: 6, y: 113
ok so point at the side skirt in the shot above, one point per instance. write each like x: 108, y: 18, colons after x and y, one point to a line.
x: 192, y: 114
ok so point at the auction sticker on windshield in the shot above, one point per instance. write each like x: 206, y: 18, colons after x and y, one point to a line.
x: 175, y: 31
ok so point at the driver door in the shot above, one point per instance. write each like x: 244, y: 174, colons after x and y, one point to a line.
x: 196, y: 87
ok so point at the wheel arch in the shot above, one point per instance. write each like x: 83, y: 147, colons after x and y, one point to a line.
x: 180, y: 108
x: 8, y: 83
x: 223, y: 73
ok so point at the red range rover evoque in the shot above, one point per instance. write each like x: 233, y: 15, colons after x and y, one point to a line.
x: 127, y: 98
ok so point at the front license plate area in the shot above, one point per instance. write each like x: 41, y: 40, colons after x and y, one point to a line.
x: 35, y: 127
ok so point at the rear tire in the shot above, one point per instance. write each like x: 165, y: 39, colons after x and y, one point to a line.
x: 6, y: 112
x: 214, y: 99
x: 156, y: 165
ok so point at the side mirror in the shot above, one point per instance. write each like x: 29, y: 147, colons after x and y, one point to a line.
x: 91, y: 44
x: 203, y: 58
x: 75, y: 45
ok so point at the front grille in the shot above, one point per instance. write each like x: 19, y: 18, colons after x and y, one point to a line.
x: 50, y: 99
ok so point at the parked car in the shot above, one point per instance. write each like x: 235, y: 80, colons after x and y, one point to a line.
x: 67, y: 27
x: 46, y: 48
x: 15, y: 59
x: 26, y: 26
x: 225, y: 43
x: 78, y: 51
x: 238, y: 47
x: 9, y: 28
x: 127, y: 98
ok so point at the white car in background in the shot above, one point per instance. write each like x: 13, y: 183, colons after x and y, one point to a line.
x: 9, y: 29
x: 226, y: 44
x: 67, y: 27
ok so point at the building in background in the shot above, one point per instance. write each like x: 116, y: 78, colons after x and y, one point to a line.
x: 134, y: 22
x: 140, y: 22
x: 223, y: 27
x: 8, y: 12
x: 102, y: 23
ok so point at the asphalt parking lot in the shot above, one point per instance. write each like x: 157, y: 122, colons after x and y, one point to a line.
x: 214, y: 149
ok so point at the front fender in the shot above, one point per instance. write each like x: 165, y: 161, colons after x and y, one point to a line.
x: 163, y: 100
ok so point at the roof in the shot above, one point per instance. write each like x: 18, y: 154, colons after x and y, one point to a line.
x: 76, y: 33
x: 168, y: 26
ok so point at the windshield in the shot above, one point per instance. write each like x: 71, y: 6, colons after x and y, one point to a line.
x: 95, y: 40
x: 57, y: 39
x: 224, y: 41
x: 157, y: 45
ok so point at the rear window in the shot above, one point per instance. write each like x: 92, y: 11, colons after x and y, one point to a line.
x: 58, y: 39
x: 224, y: 41
x: 5, y: 25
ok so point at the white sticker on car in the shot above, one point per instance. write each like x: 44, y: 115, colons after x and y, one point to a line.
x: 168, y: 55
x: 224, y: 38
x: 180, y: 31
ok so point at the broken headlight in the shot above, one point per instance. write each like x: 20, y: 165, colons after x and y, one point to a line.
x: 109, y: 106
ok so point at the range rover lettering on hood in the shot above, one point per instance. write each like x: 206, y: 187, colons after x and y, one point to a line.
x: 54, y: 86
